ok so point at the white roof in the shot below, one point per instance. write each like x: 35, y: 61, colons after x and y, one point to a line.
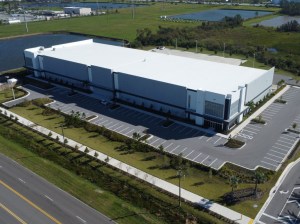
x: 191, y: 73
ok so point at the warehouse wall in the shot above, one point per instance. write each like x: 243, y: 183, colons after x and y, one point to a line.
x: 66, y: 68
x: 259, y: 86
x: 148, y: 92
x: 102, y: 80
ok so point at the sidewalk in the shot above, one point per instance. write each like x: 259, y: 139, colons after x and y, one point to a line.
x: 166, y: 186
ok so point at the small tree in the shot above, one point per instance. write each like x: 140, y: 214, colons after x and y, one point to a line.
x: 57, y: 138
x: 76, y: 147
x: 106, y: 159
x: 161, y: 149
x: 259, y: 178
x: 233, y: 181
x: 86, y: 150
x: 96, y: 154
x: 50, y: 134
x: 295, y: 126
x: 66, y: 141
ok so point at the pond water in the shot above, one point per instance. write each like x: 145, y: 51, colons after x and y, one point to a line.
x: 92, y: 5
x: 219, y: 14
x: 12, y: 49
x: 278, y: 21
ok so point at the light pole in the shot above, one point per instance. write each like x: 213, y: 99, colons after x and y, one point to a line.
x: 26, y: 26
x: 176, y: 43
x: 179, y: 173
x: 253, y: 59
x: 224, y: 45
x: 196, y: 46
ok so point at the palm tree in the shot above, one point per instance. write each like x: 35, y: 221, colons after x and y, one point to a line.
x: 233, y: 181
x: 294, y: 126
x: 161, y: 149
x: 136, y: 136
x: 259, y: 177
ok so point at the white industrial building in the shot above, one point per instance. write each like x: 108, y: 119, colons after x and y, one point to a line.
x: 77, y: 11
x: 207, y: 93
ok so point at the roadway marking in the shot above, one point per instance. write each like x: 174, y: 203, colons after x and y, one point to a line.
x: 48, y: 197
x: 168, y: 145
x: 208, y: 139
x: 182, y: 129
x: 204, y: 159
x: 113, y: 125
x: 118, y: 127
x: 161, y: 143
x: 272, y: 217
x: 282, y: 145
x: 279, y: 140
x: 269, y: 163
x: 197, y: 157
x: 183, y: 150
x: 175, y: 148
x: 277, y: 152
x: 189, y: 131
x: 178, y: 126
x: 274, y: 155
x: 154, y: 141
x: 189, y: 154
x: 124, y: 129
x: 213, y: 162
x: 12, y: 214
x: 217, y: 140
x: 82, y: 220
x: 21, y: 180
x: 280, y: 149
x: 271, y: 159
x: 250, y: 131
x: 30, y: 202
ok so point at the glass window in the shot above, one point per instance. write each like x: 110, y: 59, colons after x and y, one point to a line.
x: 214, y: 109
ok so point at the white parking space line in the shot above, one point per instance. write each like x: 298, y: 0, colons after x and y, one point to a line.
x: 269, y: 163
x: 201, y: 136
x: 176, y: 127
x: 168, y: 145
x: 278, y: 152
x: 118, y: 127
x: 217, y: 140
x: 129, y: 132
x: 153, y: 119
x: 106, y: 125
x: 149, y: 118
x: 267, y: 117
x: 204, y: 159
x: 282, y: 145
x: 197, y: 156
x: 274, y: 156
x: 285, y: 142
x: 212, y: 162
x: 280, y: 149
x: 182, y: 129
x: 269, y: 216
x: 274, y: 160
x: 161, y: 143
x: 209, y: 139
x: 194, y: 135
x: 189, y: 131
x: 175, y: 148
x: 293, y: 139
x: 252, y: 132
x: 113, y: 126
x: 124, y: 129
x: 157, y: 123
x: 189, y: 154
x: 154, y: 141
x: 251, y: 128
x: 103, y: 122
x: 182, y: 150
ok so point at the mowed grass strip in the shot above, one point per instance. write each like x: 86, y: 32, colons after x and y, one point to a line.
x: 119, y: 210
x: 6, y: 95
x: 196, y: 181
x: 82, y: 189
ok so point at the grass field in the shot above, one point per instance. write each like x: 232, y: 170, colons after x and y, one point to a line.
x: 196, y: 181
x: 7, y: 95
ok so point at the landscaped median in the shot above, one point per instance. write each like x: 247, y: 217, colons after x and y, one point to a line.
x: 165, y: 186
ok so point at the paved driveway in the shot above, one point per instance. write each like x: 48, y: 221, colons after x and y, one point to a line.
x: 264, y: 143
x: 284, y: 206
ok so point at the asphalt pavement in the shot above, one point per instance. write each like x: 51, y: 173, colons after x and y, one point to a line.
x: 27, y: 198
x: 284, y: 206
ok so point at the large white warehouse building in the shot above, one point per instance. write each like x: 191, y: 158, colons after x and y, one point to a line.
x: 207, y: 93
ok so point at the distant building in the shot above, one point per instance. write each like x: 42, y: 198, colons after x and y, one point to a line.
x: 77, y: 11
x: 277, y: 2
x: 207, y: 93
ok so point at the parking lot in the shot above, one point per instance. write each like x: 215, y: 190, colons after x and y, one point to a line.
x: 283, y: 205
x: 266, y: 145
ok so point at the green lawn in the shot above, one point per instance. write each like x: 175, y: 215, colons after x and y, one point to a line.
x: 7, y: 95
x: 196, y: 181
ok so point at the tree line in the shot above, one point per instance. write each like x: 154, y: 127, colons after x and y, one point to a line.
x: 291, y: 8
